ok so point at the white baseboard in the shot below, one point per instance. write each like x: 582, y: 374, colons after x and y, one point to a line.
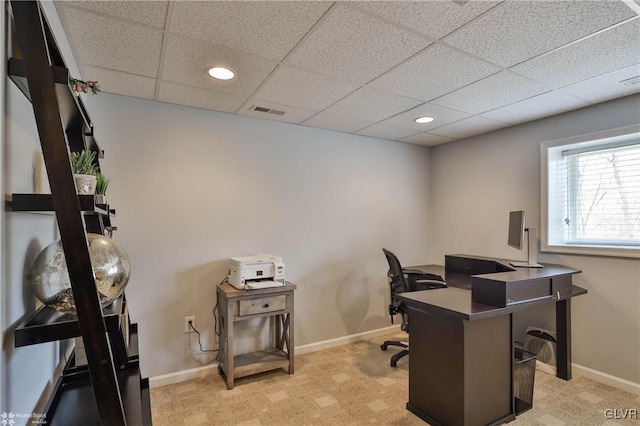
x: 607, y: 379
x: 345, y: 340
x: 194, y: 373
x: 182, y: 376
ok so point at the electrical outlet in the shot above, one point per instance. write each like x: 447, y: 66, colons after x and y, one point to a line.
x: 187, y: 327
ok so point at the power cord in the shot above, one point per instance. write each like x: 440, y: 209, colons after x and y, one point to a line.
x: 199, y: 342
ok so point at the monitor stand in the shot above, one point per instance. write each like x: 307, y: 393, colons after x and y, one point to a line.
x: 532, y: 251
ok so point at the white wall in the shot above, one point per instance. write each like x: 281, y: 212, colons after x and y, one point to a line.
x: 194, y: 187
x: 477, y: 181
x: 27, y: 371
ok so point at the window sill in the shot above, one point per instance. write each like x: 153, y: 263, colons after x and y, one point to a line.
x: 622, y: 252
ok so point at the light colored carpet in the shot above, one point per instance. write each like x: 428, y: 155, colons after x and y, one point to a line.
x: 354, y: 385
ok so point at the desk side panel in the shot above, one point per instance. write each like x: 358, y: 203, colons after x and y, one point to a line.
x: 436, y: 367
x: 459, y: 370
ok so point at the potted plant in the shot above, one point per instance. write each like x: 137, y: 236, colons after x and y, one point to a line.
x: 102, y: 182
x: 84, y: 171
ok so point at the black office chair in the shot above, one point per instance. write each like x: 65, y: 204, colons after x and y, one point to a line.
x: 415, y: 280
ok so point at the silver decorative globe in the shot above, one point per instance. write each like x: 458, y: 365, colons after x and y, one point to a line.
x: 49, y: 276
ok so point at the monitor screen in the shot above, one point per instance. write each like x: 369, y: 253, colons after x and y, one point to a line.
x: 516, y: 229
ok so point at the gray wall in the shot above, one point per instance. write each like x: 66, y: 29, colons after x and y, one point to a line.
x: 477, y: 181
x: 194, y: 187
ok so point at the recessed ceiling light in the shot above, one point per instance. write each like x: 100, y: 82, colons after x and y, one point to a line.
x: 221, y: 73
x: 423, y: 120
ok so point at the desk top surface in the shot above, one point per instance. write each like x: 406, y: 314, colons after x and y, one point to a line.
x: 456, y: 299
x: 511, y: 273
x: 457, y: 302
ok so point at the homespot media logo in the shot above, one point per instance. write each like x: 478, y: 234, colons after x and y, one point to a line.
x: 9, y: 419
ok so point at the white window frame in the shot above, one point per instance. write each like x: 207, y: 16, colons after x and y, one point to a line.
x: 547, y: 150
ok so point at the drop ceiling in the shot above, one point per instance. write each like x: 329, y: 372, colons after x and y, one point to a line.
x: 368, y: 68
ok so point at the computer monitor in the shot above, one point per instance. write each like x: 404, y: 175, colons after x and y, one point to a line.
x: 517, y: 229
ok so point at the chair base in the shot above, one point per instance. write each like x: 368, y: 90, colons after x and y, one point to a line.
x: 396, y: 357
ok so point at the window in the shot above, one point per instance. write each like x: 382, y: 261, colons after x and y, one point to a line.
x: 591, y: 194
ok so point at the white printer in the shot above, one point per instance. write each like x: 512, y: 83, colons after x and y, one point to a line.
x: 254, y: 272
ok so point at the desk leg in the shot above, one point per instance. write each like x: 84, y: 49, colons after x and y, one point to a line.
x: 563, y: 329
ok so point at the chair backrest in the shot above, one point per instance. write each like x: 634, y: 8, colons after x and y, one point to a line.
x: 397, y: 281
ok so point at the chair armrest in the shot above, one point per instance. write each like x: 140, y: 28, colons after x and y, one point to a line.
x: 420, y: 274
x: 414, y: 271
x: 428, y: 284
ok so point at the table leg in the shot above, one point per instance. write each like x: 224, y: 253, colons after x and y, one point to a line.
x: 290, y: 343
x: 228, y: 362
x: 563, y: 330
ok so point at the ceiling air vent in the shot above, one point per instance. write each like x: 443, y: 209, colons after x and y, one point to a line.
x: 633, y: 81
x: 267, y: 110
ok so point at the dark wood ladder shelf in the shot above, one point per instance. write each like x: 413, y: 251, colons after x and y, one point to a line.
x: 44, y: 203
x: 105, y: 385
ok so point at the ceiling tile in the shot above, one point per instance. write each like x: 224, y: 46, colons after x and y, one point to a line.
x: 605, y: 52
x: 607, y: 87
x: 112, y: 43
x: 432, y: 73
x: 269, y: 29
x: 371, y: 105
x: 355, y: 46
x: 341, y: 65
x: 303, y: 89
x: 492, y: 92
x: 469, y: 127
x: 187, y: 62
x: 121, y: 83
x: 153, y: 13
x: 199, y: 98
x: 433, y: 18
x: 518, y: 30
x: 442, y: 116
x: 540, y: 106
x: 385, y: 132
x: 338, y: 123
x: 292, y: 114
x: 426, y: 139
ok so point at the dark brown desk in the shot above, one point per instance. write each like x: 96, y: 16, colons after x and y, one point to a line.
x: 461, y: 363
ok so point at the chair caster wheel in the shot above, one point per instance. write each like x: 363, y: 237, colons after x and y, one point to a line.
x: 383, y: 347
x: 393, y: 363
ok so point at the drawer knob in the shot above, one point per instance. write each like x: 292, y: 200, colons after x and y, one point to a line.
x: 266, y: 305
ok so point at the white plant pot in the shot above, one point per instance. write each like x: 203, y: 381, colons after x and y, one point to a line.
x: 85, y: 184
x: 101, y: 199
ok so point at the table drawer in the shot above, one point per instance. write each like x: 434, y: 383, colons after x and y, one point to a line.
x: 262, y: 305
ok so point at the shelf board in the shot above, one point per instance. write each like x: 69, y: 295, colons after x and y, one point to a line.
x: 44, y: 203
x: 72, y: 110
x: 73, y: 400
x: 48, y: 325
x: 259, y: 361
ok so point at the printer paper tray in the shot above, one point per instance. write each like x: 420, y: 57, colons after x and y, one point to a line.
x: 256, y: 285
